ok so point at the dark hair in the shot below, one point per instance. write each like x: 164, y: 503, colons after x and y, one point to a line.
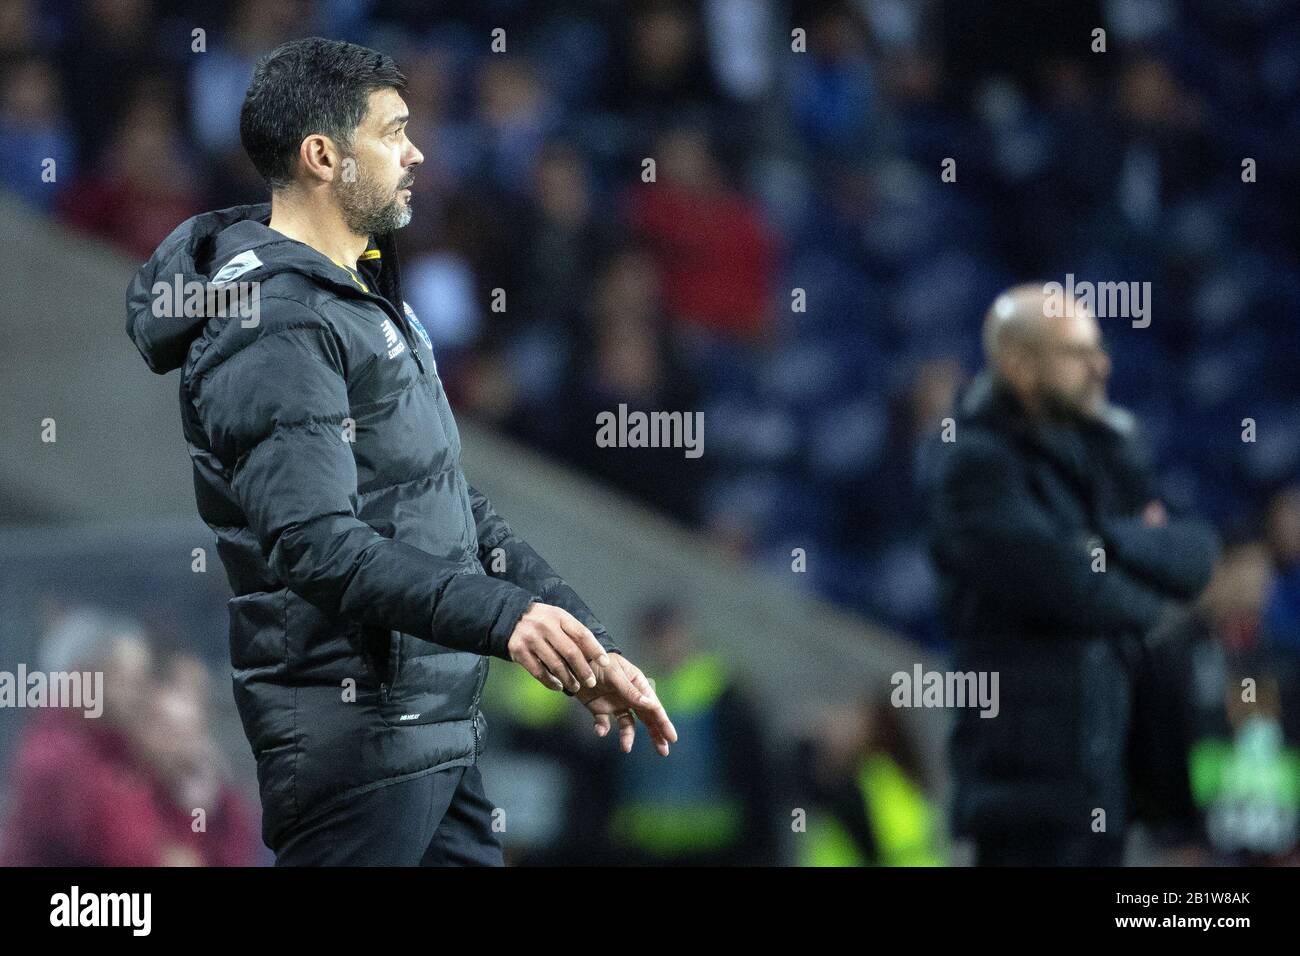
x: 304, y: 87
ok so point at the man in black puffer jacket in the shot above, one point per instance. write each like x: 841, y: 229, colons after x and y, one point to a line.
x: 1058, y: 559
x: 371, y: 581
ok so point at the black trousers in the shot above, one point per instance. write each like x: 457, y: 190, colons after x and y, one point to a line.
x: 439, y: 819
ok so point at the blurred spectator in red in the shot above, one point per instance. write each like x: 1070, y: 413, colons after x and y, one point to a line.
x: 94, y: 791
x: 143, y: 185
x: 80, y: 797
x: 715, y: 254
x: 203, y: 817
x: 32, y: 131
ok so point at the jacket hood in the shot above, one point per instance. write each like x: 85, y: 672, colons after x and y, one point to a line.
x: 186, y: 254
x: 203, y: 246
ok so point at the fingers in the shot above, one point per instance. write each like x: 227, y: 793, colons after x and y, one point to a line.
x: 641, y: 682
x: 658, y: 726
x: 550, y: 643
x: 657, y: 723
x: 588, y: 648
x: 618, y: 679
x: 627, y: 735
x: 555, y: 666
x: 626, y: 732
x: 661, y: 729
x: 529, y: 662
x: 575, y: 660
x: 633, y: 686
x: 557, y: 648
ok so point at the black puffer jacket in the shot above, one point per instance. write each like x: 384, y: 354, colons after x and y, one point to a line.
x: 1018, y: 509
x: 327, y: 461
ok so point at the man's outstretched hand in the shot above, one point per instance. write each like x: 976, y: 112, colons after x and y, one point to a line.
x: 555, y: 647
x: 622, y: 690
x: 562, y: 653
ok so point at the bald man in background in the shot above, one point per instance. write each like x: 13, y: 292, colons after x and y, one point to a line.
x: 1057, y: 558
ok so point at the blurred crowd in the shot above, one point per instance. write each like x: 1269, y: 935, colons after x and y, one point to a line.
x: 1217, y: 777
x: 798, y: 270
x: 146, y: 783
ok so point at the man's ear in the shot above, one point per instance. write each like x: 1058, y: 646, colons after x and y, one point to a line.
x: 320, y: 157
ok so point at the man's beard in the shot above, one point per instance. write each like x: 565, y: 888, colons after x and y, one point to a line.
x: 367, y: 208
x: 1064, y: 406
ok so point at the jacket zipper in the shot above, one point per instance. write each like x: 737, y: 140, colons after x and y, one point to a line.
x: 474, y: 708
x: 373, y: 666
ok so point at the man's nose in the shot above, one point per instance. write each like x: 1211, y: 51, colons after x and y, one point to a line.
x: 414, y: 158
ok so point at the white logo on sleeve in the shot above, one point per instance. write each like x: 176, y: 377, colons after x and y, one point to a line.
x: 395, y: 345
x: 236, y: 267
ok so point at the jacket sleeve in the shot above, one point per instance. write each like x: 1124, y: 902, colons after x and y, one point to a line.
x: 518, y: 563
x: 993, y: 534
x: 274, y: 414
x: 1176, y: 559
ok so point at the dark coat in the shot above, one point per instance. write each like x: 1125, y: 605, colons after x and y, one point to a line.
x: 1018, y: 509
x: 354, y: 556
